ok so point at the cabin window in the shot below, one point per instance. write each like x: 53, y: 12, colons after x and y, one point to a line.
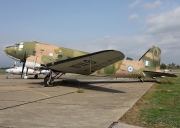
x: 51, y: 54
x: 59, y: 56
x: 16, y: 45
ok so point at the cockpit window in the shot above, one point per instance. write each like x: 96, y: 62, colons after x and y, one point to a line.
x: 16, y: 45
x: 20, y: 46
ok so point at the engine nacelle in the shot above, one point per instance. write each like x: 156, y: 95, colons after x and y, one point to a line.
x: 32, y: 65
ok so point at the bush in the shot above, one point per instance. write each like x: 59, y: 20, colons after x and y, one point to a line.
x: 80, y: 91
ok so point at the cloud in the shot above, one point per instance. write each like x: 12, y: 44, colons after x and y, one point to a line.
x: 165, y: 29
x: 135, y: 46
x: 153, y: 5
x: 131, y: 46
x: 146, y: 5
x: 133, y: 17
x: 168, y: 22
x: 161, y: 30
x: 135, y: 3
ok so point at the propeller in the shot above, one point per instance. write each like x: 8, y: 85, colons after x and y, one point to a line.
x: 24, y: 62
x: 14, y: 64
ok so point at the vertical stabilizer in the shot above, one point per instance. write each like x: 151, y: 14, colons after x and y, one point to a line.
x: 151, y: 58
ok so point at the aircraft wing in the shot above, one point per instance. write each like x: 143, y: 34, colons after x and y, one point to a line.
x: 158, y: 74
x: 88, y: 63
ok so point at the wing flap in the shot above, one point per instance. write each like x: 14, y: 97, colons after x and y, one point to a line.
x: 158, y: 74
x: 88, y: 63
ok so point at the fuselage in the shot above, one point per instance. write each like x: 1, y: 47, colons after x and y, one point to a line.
x: 39, y: 54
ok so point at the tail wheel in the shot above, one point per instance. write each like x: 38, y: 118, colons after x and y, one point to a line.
x: 36, y: 76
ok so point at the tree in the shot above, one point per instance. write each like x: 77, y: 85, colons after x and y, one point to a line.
x: 177, y: 66
x: 163, y: 66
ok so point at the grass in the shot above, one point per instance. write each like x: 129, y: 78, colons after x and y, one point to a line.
x: 159, y: 107
x: 2, y: 71
x: 80, y: 91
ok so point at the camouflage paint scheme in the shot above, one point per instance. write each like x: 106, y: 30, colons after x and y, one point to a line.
x: 134, y: 68
x: 42, y: 54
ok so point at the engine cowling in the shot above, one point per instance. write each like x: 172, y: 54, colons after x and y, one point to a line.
x: 32, y: 65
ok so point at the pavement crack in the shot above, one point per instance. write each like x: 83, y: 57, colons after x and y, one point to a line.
x: 30, y: 102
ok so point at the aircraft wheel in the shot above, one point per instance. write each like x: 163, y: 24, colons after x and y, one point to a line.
x: 47, y: 82
x: 36, y: 76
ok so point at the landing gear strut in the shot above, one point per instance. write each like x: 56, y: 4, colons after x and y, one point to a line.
x: 141, y: 79
x: 49, y: 79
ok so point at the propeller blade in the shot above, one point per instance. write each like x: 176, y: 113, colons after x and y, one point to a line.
x: 27, y: 72
x: 22, y: 69
x: 24, y: 62
x: 14, y: 64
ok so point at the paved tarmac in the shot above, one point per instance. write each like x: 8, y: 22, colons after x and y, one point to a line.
x: 26, y: 103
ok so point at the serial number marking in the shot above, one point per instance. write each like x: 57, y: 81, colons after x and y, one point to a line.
x: 78, y: 65
x: 82, y: 64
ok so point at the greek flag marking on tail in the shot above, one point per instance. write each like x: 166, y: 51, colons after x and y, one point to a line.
x: 146, y: 63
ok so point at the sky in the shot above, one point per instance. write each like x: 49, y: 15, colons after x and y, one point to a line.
x: 129, y: 26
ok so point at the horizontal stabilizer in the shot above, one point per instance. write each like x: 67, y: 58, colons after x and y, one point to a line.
x: 158, y: 74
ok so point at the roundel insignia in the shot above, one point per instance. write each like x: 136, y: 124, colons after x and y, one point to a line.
x: 130, y: 69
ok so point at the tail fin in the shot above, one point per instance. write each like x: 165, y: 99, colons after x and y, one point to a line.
x: 151, y: 58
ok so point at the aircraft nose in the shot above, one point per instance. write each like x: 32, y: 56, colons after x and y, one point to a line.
x: 13, y: 52
x: 7, y: 71
x: 7, y: 50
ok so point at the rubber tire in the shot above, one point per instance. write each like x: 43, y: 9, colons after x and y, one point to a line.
x: 46, y: 79
x: 36, y: 76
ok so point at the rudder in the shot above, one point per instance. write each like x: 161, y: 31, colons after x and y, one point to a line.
x: 151, y: 58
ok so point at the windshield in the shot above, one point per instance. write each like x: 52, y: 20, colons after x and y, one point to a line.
x: 16, y: 45
x: 19, y: 45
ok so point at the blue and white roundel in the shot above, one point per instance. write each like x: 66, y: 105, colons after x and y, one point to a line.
x: 130, y: 69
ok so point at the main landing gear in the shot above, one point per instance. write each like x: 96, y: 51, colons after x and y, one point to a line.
x: 49, y: 79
